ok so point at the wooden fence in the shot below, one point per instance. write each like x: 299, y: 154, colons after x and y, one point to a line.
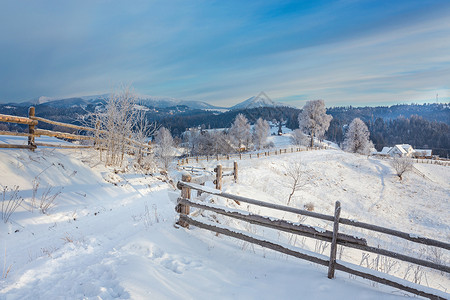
x: 334, y: 237
x: 240, y: 156
x: 256, y: 155
x: 32, y: 121
x: 432, y: 161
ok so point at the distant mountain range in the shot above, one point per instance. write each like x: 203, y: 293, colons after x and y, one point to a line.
x: 261, y: 100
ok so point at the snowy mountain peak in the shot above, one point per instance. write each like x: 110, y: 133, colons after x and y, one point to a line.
x: 261, y: 100
x: 44, y: 99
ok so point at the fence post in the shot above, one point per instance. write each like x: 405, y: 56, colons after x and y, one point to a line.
x: 187, y: 160
x: 186, y: 194
x: 235, y: 172
x: 333, y: 250
x: 219, y: 177
x: 240, y: 155
x: 217, y: 157
x: 197, y: 159
x: 31, y: 143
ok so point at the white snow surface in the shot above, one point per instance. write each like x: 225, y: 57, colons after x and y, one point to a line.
x: 111, y: 235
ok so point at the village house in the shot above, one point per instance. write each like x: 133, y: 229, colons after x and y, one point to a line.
x: 404, y: 150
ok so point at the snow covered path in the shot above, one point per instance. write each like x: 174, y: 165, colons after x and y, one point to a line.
x: 112, y: 236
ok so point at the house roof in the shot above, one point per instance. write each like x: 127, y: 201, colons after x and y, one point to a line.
x: 385, y: 150
x: 407, y: 147
x: 399, y: 148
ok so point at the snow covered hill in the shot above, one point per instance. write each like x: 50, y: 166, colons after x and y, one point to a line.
x: 111, y: 234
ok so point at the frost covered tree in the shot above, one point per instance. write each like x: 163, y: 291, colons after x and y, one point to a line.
x: 191, y: 138
x: 313, y: 119
x: 298, y: 137
x: 121, y: 127
x: 261, y: 131
x: 296, y: 178
x: 142, y: 130
x: 401, y: 165
x: 240, y: 131
x: 164, y: 146
x: 219, y: 143
x: 115, y: 126
x: 357, y: 138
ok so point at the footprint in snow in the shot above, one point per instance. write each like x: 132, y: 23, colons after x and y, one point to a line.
x: 174, y: 263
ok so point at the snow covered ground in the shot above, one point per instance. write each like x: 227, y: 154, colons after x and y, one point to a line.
x: 111, y: 235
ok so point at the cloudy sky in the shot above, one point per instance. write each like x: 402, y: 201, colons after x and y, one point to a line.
x: 223, y: 52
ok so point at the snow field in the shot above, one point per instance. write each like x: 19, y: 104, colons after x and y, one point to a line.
x: 111, y: 235
x: 368, y: 191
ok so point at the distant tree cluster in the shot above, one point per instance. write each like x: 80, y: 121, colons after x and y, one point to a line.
x: 416, y: 131
x: 239, y: 137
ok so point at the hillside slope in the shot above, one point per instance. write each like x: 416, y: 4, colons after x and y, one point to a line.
x: 110, y: 235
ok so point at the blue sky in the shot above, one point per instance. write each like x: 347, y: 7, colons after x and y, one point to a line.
x: 223, y: 52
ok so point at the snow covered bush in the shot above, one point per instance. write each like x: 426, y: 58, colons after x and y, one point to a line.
x: 164, y: 147
x: 240, y: 132
x: 261, y: 131
x: 401, y: 165
x: 299, y: 138
x: 357, y: 138
x: 313, y: 119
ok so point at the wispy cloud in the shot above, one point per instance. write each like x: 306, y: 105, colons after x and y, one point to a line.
x: 345, y: 52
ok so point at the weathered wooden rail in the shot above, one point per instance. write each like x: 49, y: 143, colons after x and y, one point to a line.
x: 32, y: 121
x: 334, y: 237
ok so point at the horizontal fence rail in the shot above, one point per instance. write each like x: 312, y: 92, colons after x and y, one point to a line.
x: 17, y: 120
x: 32, y: 121
x: 334, y: 237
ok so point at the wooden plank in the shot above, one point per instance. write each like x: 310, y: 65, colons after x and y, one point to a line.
x: 254, y: 240
x: 31, y: 129
x: 305, y: 230
x: 400, y: 256
x: 257, y: 202
x: 11, y: 146
x: 404, y: 235
x: 63, y: 135
x: 388, y: 282
x: 63, y: 146
x: 66, y: 124
x: 235, y: 171
x: 407, y: 236
x: 184, y: 209
x: 218, y: 177
x: 14, y: 133
x: 333, y: 248
x: 18, y: 120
